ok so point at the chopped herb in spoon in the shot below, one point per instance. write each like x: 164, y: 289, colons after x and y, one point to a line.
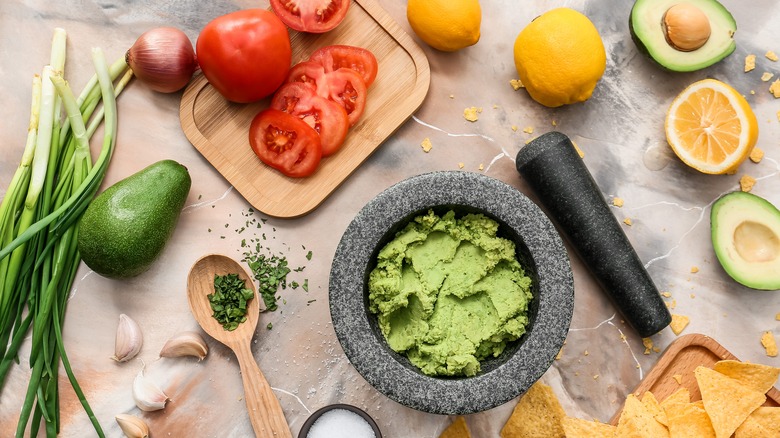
x: 229, y: 300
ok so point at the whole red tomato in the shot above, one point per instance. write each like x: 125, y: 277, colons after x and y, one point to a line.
x: 245, y: 54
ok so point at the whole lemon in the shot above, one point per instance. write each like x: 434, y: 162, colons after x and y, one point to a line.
x: 446, y: 25
x: 559, y: 57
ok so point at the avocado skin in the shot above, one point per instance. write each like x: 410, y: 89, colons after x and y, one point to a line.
x: 126, y: 227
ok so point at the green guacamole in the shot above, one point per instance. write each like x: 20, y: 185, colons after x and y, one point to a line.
x: 449, y: 293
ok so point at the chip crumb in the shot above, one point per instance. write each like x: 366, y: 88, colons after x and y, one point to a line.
x: 595, y: 377
x: 768, y: 341
x: 554, y: 123
x: 617, y: 202
x: 461, y: 165
x: 657, y: 349
x: 694, y: 269
x: 777, y: 317
x: 577, y: 148
x: 638, y: 366
x: 757, y: 154
x: 766, y: 76
x: 775, y: 89
x: 693, y: 296
x: 678, y: 324
x: 530, y: 140
x: 746, y: 183
x: 623, y: 337
x: 770, y: 55
x: 648, y: 343
x: 472, y: 113
x: 516, y: 84
x: 514, y: 128
x: 481, y: 166
x: 678, y: 378
x: 495, y: 106
x: 628, y: 221
x: 671, y: 304
x: 528, y: 129
x: 559, y: 355
x: 452, y: 96
x: 426, y: 145
x: 753, y: 92
x: 666, y: 294
x: 750, y: 63
x: 586, y: 353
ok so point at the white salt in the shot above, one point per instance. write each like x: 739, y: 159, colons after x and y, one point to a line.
x: 340, y: 423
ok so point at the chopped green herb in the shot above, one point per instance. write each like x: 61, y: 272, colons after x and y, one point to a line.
x: 294, y: 285
x: 270, y: 273
x: 229, y: 300
x: 270, y: 326
x: 310, y: 301
x: 306, y: 284
x: 199, y: 196
x: 308, y: 255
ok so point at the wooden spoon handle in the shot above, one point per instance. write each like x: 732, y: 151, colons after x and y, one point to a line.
x: 264, y: 409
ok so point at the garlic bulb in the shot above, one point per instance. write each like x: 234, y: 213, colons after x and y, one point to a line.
x: 185, y: 344
x: 147, y: 395
x: 132, y: 426
x: 128, y: 339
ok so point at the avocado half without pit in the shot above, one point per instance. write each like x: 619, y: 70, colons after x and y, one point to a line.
x: 683, y: 35
x: 746, y: 239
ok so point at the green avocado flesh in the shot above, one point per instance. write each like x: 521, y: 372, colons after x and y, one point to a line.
x: 647, y: 31
x: 746, y: 238
x: 449, y: 293
x: 126, y: 227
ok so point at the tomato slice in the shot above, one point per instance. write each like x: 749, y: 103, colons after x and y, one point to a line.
x: 341, y: 56
x: 328, y: 118
x: 285, y: 143
x: 315, y: 16
x: 310, y: 73
x: 346, y: 87
x: 343, y: 86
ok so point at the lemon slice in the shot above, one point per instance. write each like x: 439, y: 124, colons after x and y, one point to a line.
x: 711, y: 127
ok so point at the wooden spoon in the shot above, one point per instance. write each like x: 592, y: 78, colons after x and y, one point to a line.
x: 265, y: 412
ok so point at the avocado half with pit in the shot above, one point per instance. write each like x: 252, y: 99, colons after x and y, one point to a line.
x: 683, y: 35
x: 746, y: 238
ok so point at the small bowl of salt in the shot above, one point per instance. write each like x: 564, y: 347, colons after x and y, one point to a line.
x: 340, y: 420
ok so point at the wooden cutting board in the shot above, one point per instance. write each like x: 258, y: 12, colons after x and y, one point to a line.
x: 220, y: 129
x: 682, y: 357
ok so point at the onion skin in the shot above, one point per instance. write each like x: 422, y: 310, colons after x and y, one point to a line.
x: 163, y: 58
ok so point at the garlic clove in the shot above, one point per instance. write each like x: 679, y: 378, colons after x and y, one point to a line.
x: 185, y: 344
x: 128, y: 339
x: 132, y: 426
x: 147, y: 395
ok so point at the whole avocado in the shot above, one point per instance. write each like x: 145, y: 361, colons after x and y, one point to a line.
x: 126, y: 227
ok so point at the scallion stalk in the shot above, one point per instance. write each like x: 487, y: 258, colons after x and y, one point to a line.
x: 55, y: 182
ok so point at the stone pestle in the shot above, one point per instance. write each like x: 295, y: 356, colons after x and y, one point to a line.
x: 563, y: 184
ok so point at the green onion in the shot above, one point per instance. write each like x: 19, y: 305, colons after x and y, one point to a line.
x: 54, y: 183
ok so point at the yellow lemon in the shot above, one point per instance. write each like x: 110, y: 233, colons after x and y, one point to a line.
x: 711, y: 127
x: 560, y: 57
x: 446, y: 25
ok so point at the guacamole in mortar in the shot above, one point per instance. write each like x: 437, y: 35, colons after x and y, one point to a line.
x: 449, y: 293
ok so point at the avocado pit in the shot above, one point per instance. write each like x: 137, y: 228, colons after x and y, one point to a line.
x: 686, y: 27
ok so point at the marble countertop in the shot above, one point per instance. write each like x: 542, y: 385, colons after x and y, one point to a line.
x: 620, y: 131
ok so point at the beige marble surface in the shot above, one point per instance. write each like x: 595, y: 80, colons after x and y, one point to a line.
x: 620, y: 130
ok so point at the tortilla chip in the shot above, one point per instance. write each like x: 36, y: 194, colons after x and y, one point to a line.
x: 538, y: 414
x: 682, y: 395
x: 727, y: 401
x: 688, y: 420
x: 458, y: 429
x: 764, y: 421
x: 652, y: 406
x: 636, y: 421
x: 579, y: 428
x: 753, y: 375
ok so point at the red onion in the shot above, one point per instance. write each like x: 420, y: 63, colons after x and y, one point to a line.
x: 163, y: 58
